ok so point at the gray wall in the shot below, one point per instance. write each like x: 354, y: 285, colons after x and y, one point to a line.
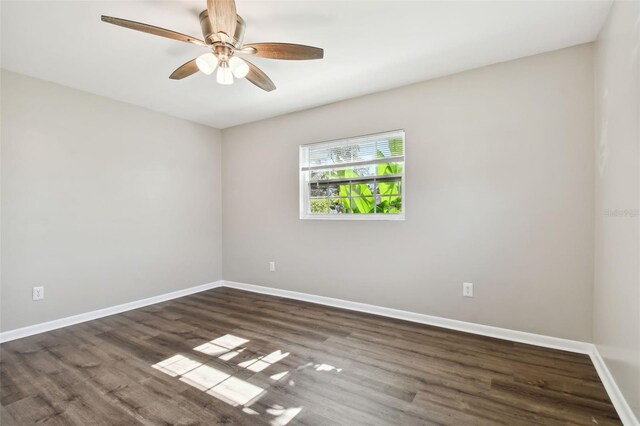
x: 500, y: 172
x: 617, y: 201
x: 102, y: 202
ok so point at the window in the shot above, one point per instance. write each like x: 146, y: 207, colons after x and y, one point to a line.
x: 354, y: 178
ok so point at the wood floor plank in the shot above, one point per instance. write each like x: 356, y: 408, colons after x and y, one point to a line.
x: 226, y: 356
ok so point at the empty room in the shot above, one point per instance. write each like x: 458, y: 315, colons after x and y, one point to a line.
x: 320, y: 212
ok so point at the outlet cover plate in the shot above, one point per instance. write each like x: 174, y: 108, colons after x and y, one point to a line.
x: 38, y: 293
x: 467, y: 289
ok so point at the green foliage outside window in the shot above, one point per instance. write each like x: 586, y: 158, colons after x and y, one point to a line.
x: 363, y: 198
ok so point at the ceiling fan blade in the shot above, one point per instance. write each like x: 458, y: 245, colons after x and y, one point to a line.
x: 259, y: 78
x: 222, y: 14
x: 184, y: 70
x: 287, y: 51
x: 146, y: 28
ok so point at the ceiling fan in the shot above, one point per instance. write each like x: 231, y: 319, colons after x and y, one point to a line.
x: 223, y: 32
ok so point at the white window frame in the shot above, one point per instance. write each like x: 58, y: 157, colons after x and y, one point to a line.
x: 304, y: 187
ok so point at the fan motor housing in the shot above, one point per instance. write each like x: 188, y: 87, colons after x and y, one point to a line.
x: 211, y: 38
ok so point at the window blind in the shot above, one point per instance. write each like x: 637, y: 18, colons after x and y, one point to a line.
x: 359, y: 151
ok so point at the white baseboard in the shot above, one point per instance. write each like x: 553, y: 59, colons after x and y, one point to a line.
x: 616, y: 396
x: 18, y: 333
x: 484, y: 330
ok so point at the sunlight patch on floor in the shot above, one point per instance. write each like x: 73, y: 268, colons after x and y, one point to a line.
x: 260, y: 363
x: 177, y: 365
x: 279, y: 376
x: 283, y: 415
x: 204, y: 377
x: 235, y: 391
x: 226, y: 387
x: 326, y: 367
x: 222, y: 346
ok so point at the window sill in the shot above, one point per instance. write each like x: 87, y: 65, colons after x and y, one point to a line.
x: 352, y: 217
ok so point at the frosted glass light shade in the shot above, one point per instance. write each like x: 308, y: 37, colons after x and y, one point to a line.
x: 239, y: 68
x: 207, y: 63
x: 224, y: 75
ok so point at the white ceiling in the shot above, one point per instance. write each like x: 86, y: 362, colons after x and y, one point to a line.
x: 369, y: 46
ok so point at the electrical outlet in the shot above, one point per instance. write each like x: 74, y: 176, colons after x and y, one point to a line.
x: 272, y: 266
x: 38, y: 293
x: 467, y: 289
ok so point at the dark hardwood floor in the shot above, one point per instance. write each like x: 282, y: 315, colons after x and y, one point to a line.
x: 230, y: 357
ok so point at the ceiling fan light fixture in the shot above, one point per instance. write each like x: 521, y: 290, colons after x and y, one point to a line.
x: 224, y: 75
x: 223, y: 36
x: 239, y: 68
x: 207, y: 63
